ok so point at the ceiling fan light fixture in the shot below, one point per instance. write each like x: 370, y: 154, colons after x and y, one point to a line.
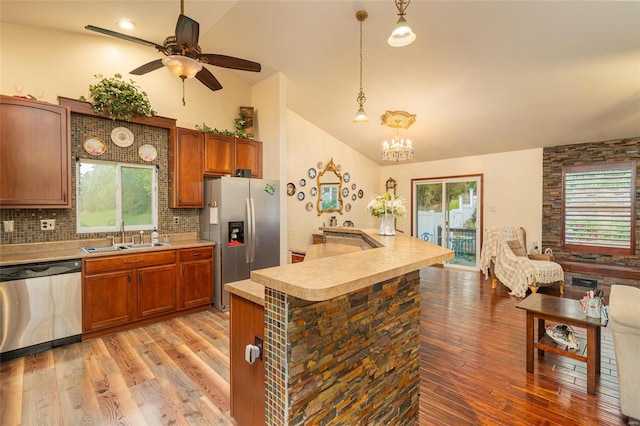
x: 125, y: 24
x: 182, y: 66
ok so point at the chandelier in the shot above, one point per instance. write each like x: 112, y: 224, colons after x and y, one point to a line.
x: 399, y: 149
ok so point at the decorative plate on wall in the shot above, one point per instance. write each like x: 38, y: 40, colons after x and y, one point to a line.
x: 300, y: 195
x: 303, y: 182
x: 94, y: 146
x: 353, y: 186
x: 147, y: 152
x: 346, y: 176
x: 314, y: 191
x: 345, y: 192
x: 312, y: 173
x: 309, y: 206
x: 122, y: 137
x: 360, y: 194
x: 353, y: 196
x: 291, y: 189
x: 320, y: 165
x: 347, y: 207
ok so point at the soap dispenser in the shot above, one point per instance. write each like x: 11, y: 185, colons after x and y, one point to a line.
x: 155, y: 237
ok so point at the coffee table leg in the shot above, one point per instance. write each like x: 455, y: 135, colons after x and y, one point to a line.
x: 593, y: 358
x: 541, y: 333
x: 530, y: 341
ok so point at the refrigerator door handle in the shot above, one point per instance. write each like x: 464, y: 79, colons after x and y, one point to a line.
x: 253, y: 231
x: 249, y: 236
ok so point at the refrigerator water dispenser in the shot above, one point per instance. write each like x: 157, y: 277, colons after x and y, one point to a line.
x: 236, y: 233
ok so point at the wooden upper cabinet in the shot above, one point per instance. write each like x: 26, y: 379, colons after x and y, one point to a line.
x: 186, y: 168
x: 35, y: 159
x: 219, y: 154
x: 224, y: 154
x: 249, y: 156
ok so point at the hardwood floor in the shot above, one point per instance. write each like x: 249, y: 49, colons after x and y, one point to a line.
x: 177, y: 372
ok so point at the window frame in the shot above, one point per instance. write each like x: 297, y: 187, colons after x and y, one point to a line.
x: 116, y: 228
x: 599, y: 249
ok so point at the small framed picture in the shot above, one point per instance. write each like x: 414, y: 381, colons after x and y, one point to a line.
x: 291, y: 189
x: 360, y: 193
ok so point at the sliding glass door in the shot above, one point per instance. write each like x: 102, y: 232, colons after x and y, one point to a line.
x: 446, y: 211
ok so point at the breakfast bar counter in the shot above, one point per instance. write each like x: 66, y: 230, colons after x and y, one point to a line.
x: 341, y: 332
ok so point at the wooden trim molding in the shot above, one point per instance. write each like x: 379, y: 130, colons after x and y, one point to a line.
x: 82, y: 107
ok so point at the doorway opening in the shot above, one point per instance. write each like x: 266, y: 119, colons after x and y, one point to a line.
x: 447, y: 211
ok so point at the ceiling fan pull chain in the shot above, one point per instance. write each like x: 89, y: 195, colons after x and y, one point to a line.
x: 183, y: 101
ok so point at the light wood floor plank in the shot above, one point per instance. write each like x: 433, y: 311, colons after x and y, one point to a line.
x: 40, y: 400
x: 77, y: 399
x: 11, y: 380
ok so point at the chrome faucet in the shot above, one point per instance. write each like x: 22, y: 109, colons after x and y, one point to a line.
x: 122, y: 232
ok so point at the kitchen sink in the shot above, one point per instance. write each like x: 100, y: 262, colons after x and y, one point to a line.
x: 120, y: 247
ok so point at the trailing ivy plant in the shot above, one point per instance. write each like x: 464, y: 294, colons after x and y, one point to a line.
x: 119, y: 98
x: 240, y: 131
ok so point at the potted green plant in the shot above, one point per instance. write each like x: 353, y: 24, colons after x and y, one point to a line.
x: 119, y: 98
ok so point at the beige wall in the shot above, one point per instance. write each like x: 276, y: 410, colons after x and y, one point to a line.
x: 308, y: 144
x: 64, y: 64
x: 512, y: 186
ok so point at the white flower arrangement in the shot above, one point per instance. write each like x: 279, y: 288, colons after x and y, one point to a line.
x: 385, y: 204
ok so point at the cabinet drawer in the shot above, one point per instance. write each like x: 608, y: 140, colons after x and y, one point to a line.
x: 196, y: 253
x: 128, y: 261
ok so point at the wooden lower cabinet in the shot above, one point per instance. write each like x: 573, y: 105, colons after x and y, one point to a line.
x: 123, y: 291
x: 247, y: 380
x: 108, y: 300
x: 196, y: 277
x: 156, y: 290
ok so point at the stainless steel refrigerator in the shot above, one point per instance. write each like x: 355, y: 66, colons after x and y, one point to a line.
x: 242, y: 216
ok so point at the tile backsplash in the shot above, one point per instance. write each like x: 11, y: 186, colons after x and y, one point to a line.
x: 27, y: 221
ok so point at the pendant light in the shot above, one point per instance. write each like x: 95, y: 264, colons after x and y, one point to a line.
x: 402, y: 34
x: 361, y: 116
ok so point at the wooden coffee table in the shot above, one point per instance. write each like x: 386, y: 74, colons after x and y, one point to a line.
x: 564, y: 311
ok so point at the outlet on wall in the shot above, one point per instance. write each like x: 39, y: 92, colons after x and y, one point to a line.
x: 7, y: 225
x: 176, y: 220
x: 47, y: 224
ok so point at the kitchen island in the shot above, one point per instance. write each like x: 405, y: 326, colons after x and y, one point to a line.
x: 341, y: 332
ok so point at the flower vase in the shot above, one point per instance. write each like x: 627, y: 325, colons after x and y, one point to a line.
x: 387, y: 225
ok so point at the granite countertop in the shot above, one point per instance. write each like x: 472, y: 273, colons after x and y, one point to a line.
x: 247, y: 289
x: 18, y: 254
x: 329, y: 277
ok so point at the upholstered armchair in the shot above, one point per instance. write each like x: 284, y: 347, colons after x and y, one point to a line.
x: 504, y: 256
x: 624, y: 318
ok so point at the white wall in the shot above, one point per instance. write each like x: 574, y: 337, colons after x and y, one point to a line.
x: 64, y: 64
x: 269, y: 102
x: 512, y: 186
x: 308, y: 144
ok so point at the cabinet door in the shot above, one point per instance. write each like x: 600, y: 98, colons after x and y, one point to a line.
x: 247, y: 380
x: 249, y: 156
x: 107, y: 300
x: 219, y: 154
x: 186, y: 170
x: 196, y: 283
x: 157, y: 291
x: 35, y: 164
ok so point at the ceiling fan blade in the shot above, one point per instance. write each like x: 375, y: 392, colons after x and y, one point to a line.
x: 206, y: 78
x: 231, y: 62
x: 187, y: 30
x: 124, y: 37
x: 151, y: 66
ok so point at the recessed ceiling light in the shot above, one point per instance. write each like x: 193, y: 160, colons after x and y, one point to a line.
x: 126, y: 25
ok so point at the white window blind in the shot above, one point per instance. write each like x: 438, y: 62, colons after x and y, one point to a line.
x: 599, y: 205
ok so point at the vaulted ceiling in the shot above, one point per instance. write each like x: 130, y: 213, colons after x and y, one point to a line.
x: 481, y: 76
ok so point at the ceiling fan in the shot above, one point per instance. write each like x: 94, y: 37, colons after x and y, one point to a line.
x: 183, y: 56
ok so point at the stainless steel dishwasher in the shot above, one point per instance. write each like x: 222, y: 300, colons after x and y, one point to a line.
x: 40, y: 307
